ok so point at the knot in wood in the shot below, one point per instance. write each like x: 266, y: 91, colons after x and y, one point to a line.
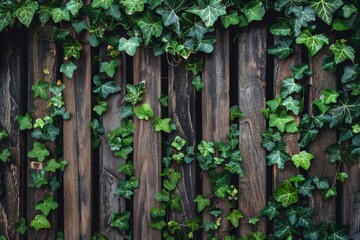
x: 52, y: 52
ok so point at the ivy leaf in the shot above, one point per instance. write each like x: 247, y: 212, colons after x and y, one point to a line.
x: 162, y: 196
x: 5, y: 154
x: 197, y: 83
x: 345, y: 110
x: 3, y: 134
x: 104, y: 89
x: 46, y: 205
x: 129, y: 46
x: 291, y: 104
x: 178, y: 143
x: 307, y: 136
x: 25, y: 122
x: 235, y: 112
x: 26, y: 12
x: 330, y: 95
x: 321, y: 184
x: 74, y: 6
x: 21, y: 227
x: 59, y: 14
x: 348, y: 10
x: 169, y: 13
x: 313, y: 42
x: 270, y: 210
x: 105, y: 4
x: 5, y: 19
x: 306, y: 188
x: 150, y: 26
x: 174, y: 203
x: 351, y: 72
x: 278, y: 156
x: 38, y: 179
x: 230, y: 19
x: 68, y: 69
x: 72, y: 49
x: 109, y: 67
x: 342, y: 176
x: 134, y: 92
x: 121, y: 220
x: 325, y: 9
x: 342, y: 52
x: 330, y: 192
x: 126, y: 168
x: 286, y: 194
x: 39, y: 151
x: 234, y: 217
x: 299, y: 70
x: 41, y: 89
x: 201, y: 203
x: 253, y: 12
x: 170, y: 184
x: 281, y: 29
x: 282, y: 49
x: 338, y: 232
x: 280, y: 120
x: 302, y: 159
x: 162, y: 124
x: 101, y: 107
x: 289, y: 86
x: 132, y: 6
x: 144, y: 112
x: 40, y: 222
x: 210, y: 12
x: 303, y: 17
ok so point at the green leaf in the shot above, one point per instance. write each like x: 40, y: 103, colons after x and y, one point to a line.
x: 313, y: 42
x: 330, y: 95
x: 105, y: 4
x: 201, y: 202
x: 280, y: 120
x: 170, y: 184
x: 109, y: 67
x: 101, y: 107
x: 150, y: 26
x: 197, y: 83
x: 342, y: 52
x: 208, y: 11
x: 162, y: 196
x: 281, y: 29
x: 351, y: 73
x: 52, y: 165
x: 270, y: 210
x: 304, y: 15
x: 325, y: 9
x: 126, y: 168
x: 178, y: 143
x: 330, y: 192
x: 5, y: 19
x: 338, y: 232
x: 144, y: 112
x: 253, y: 12
x: 104, y: 89
x: 3, y: 134
x: 162, y: 124
x: 307, y: 136
x: 286, y: 194
x: 158, y: 225
x: 230, y: 19
x: 291, y: 104
x: 4, y: 155
x: 26, y: 12
x: 342, y: 176
x: 132, y: 6
x: 170, y: 13
x: 121, y: 220
x: 321, y: 184
x: 134, y: 92
x: 234, y: 217
x: 40, y: 222
x: 299, y: 70
x: 46, y: 205
x: 68, y: 69
x: 302, y: 159
x: 289, y: 86
x: 348, y: 10
x: 39, y: 151
x: 21, y: 227
x: 235, y: 112
x: 329, y: 64
x: 74, y: 6
x: 345, y: 110
x: 72, y: 49
x: 25, y: 122
x: 175, y: 204
x: 59, y: 14
x: 129, y: 46
x: 278, y: 156
x: 41, y: 89
x: 282, y: 49
x: 38, y: 179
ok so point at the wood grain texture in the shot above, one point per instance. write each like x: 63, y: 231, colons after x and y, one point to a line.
x: 42, y: 54
x: 77, y: 151
x: 252, y: 97
x: 282, y: 69
x: 147, y: 146
x: 324, y: 210
x: 12, y: 51
x: 182, y: 111
x: 109, y: 176
x: 215, y: 111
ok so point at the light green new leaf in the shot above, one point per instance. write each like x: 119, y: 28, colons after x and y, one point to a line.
x: 41, y: 89
x: 129, y: 46
x: 210, y: 12
x: 101, y: 107
x: 68, y: 69
x: 280, y: 120
x: 330, y: 96
x: 39, y: 151
x: 5, y: 19
x: 40, y: 222
x: 4, y: 155
x: 325, y: 9
x: 286, y: 194
x: 328, y: 193
x: 74, y: 6
x: 26, y: 12
x: 201, y: 203
x: 132, y: 6
x: 25, y: 122
x: 291, y: 104
x: 313, y: 42
x: 234, y: 217
x: 51, y: 166
x: 150, y: 26
x: 253, y: 12
x: 302, y: 159
x: 134, y: 93
x: 162, y: 124
x: 144, y: 112
x: 59, y: 14
x: 46, y: 205
x: 342, y: 52
x: 105, y: 4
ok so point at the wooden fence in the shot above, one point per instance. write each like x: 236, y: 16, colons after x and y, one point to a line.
x: 239, y: 71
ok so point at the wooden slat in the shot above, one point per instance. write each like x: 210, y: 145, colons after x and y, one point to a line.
x: 11, y: 86
x: 215, y: 110
x: 42, y: 55
x: 324, y: 210
x: 182, y: 111
x: 282, y: 69
x: 109, y: 176
x: 147, y: 146
x: 252, y: 97
x: 77, y: 150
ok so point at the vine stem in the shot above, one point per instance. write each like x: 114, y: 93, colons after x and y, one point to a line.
x: 337, y: 171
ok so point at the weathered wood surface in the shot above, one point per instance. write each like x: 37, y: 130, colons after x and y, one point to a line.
x: 147, y: 146
x: 252, y: 97
x: 182, y: 111
x: 42, y: 55
x: 324, y: 210
x: 215, y: 112
x: 11, y: 72
x: 78, y: 151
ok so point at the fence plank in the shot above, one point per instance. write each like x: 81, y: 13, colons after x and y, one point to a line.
x: 252, y: 97
x: 109, y: 176
x: 324, y: 210
x: 147, y: 146
x: 77, y: 151
x: 42, y: 55
x: 182, y: 111
x: 11, y: 72
x: 215, y: 110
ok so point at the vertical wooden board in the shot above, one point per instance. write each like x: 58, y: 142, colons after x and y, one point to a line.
x: 109, y: 176
x: 11, y: 86
x: 147, y: 146
x: 282, y: 69
x: 77, y: 150
x: 215, y: 110
x: 182, y: 111
x: 42, y: 55
x: 320, y: 165
x: 252, y: 97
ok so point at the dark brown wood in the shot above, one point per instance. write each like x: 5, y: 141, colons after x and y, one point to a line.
x: 182, y: 111
x: 324, y: 210
x: 12, y: 51
x: 42, y: 55
x: 109, y: 176
x: 215, y: 111
x: 147, y: 146
x: 252, y: 97
x: 77, y: 150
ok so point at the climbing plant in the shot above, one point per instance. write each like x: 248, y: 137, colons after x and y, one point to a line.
x: 181, y: 29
